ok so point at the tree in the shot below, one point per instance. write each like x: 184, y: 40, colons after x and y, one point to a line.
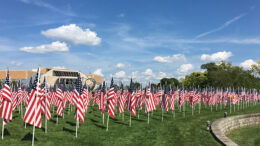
x: 170, y: 82
x: 136, y: 85
x: 225, y: 75
x: 196, y: 79
x: 256, y: 69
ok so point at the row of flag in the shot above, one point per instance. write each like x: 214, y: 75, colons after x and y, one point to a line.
x: 39, y: 98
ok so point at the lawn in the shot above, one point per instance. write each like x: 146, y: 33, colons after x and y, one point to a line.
x: 247, y: 136
x: 188, y: 130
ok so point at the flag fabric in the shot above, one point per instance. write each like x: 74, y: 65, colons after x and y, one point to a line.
x: 121, y: 100
x: 165, y: 98
x: 6, y: 108
x: 131, y: 99
x: 111, y: 100
x: 102, y: 105
x: 181, y: 98
x: 59, y: 96
x: 45, y: 103
x: 33, y: 108
x: 150, y: 103
x: 78, y: 99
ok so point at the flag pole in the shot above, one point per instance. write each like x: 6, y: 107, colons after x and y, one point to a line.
x: 130, y: 119
x: 199, y: 105
x: 33, y: 133
x: 77, y: 128
x: 192, y: 107
x: 3, y: 127
x: 57, y: 119
x: 107, y: 121
x: 103, y: 121
x: 148, y: 118
x: 138, y: 113
x: 21, y: 106
x: 184, y: 107
x: 45, y: 107
x: 162, y: 114
x: 77, y: 120
x: 35, y: 106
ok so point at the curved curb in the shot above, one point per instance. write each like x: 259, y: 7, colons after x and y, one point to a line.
x: 224, y: 125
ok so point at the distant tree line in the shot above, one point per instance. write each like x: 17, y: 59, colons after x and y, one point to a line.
x: 222, y: 75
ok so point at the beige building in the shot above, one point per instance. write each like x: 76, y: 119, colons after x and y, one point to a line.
x: 54, y: 76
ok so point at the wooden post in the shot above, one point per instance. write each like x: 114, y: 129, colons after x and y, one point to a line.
x: 103, y: 118
x: 130, y: 120
x: 77, y: 127
x: 199, y: 106
x: 3, y: 128
x: 138, y: 113
x: 107, y: 121
x: 162, y: 114
x: 22, y: 110
x: 57, y: 119
x: 148, y: 118
x: 33, y: 134
x: 192, y: 110
x: 184, y: 108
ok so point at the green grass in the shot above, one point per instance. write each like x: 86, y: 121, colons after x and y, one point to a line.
x: 247, y: 136
x: 189, y: 130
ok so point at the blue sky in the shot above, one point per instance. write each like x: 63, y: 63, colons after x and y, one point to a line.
x: 146, y: 40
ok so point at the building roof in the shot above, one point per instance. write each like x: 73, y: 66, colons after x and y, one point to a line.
x: 17, y: 74
x: 44, y: 70
x: 97, y: 78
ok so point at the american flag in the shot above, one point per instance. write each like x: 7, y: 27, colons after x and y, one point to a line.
x: 59, y: 96
x: 45, y: 104
x: 86, y: 97
x: 6, y: 109
x: 150, y: 103
x: 181, y: 98
x: 121, y: 100
x: 164, y: 102
x: 131, y: 99
x: 78, y: 98
x: 111, y: 100
x: 102, y: 104
x: 33, y: 108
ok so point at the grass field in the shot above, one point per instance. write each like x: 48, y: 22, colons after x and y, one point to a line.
x: 189, y: 130
x: 247, y: 136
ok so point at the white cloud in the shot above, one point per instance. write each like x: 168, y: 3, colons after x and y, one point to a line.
x: 148, y: 72
x: 98, y: 72
x: 184, y: 68
x: 147, y: 75
x: 226, y: 24
x: 120, y: 65
x: 247, y: 63
x: 120, y: 74
x: 134, y: 75
x: 73, y: 34
x: 161, y: 75
x: 169, y: 59
x: 46, y: 48
x: 219, y: 56
x: 43, y: 4
x: 121, y: 15
x: 15, y: 63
